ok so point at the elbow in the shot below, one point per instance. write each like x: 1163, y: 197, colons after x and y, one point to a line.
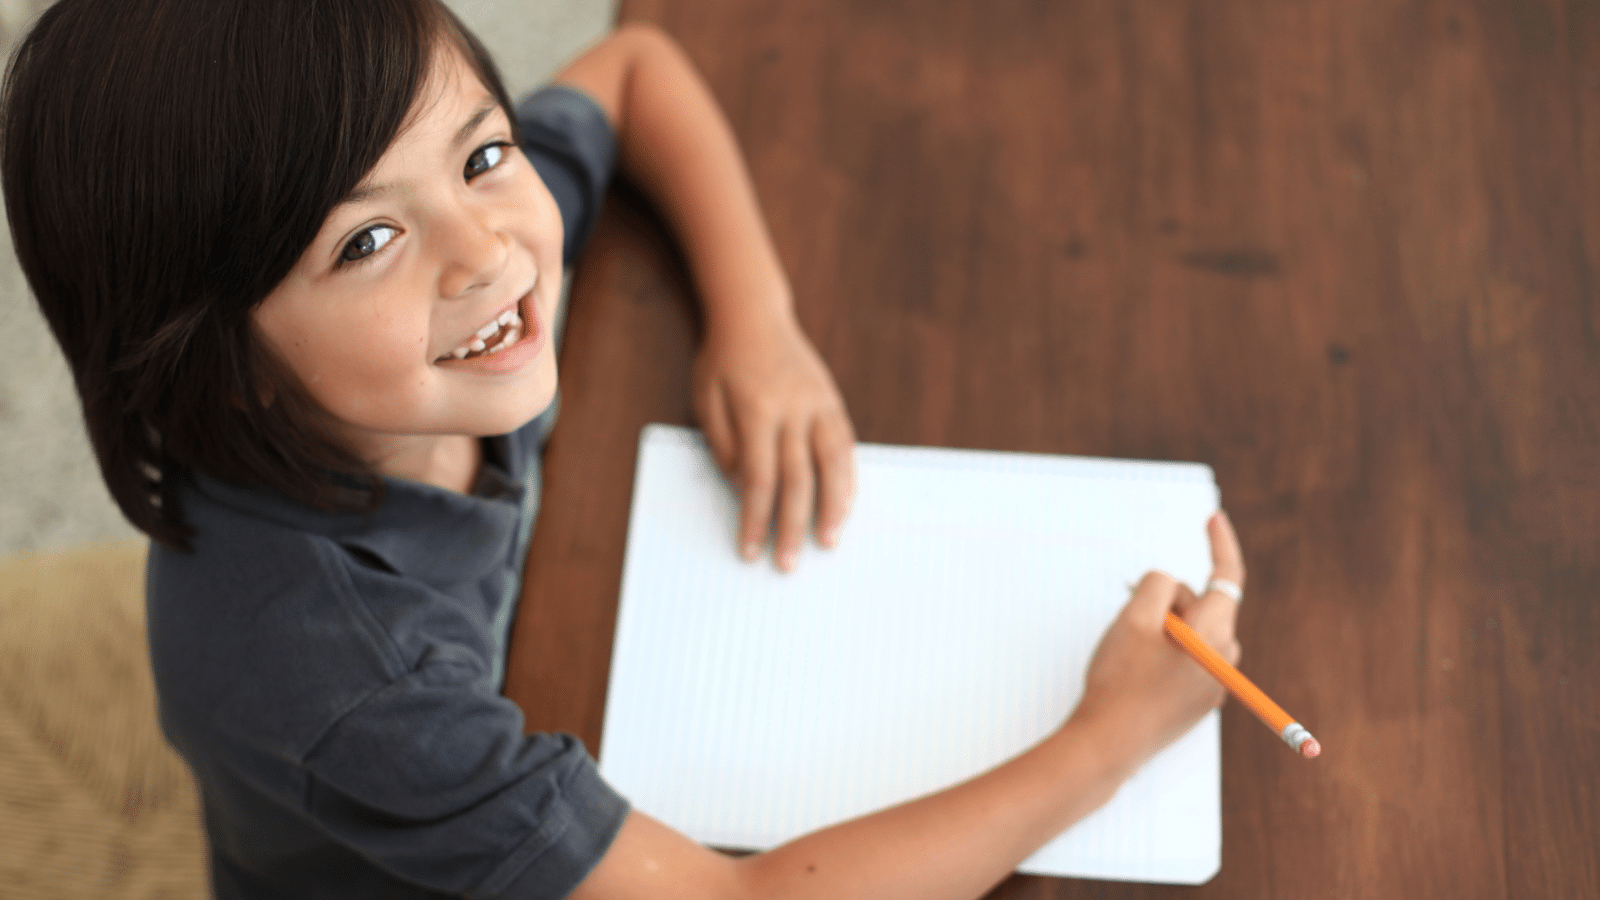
x: 646, y: 39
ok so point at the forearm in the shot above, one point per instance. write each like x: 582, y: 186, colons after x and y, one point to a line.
x: 676, y: 144
x: 955, y: 844
x: 771, y: 412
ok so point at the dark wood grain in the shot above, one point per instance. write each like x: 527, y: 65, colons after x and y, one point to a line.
x: 1343, y: 251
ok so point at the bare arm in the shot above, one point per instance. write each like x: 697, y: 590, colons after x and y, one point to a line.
x: 677, y: 145
x: 1140, y: 693
x: 954, y: 844
x: 770, y: 409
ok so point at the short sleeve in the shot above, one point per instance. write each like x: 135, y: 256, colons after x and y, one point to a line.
x: 567, y: 138
x: 434, y: 781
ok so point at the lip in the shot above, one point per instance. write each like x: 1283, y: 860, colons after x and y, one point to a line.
x: 515, y: 357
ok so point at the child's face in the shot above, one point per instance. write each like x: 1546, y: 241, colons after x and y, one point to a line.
x: 451, y: 233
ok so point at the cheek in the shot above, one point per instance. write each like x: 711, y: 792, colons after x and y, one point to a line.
x: 360, y: 352
x: 544, y: 233
x: 540, y: 219
x: 359, y: 365
x: 382, y: 351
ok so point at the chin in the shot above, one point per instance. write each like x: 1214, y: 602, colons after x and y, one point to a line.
x: 515, y: 419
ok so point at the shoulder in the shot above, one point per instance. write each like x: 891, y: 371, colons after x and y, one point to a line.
x: 278, y: 631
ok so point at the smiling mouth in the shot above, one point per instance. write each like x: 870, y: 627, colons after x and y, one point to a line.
x: 494, y: 336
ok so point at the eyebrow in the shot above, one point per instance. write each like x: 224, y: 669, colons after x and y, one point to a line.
x: 472, y: 124
x: 368, y: 191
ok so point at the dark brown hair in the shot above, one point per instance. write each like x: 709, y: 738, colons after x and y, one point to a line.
x: 165, y: 163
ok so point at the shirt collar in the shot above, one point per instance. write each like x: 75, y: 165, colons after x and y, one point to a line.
x: 421, y: 531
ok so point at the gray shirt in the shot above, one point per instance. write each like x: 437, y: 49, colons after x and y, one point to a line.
x: 333, y: 679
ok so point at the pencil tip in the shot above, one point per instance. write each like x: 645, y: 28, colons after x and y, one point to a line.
x: 1310, y: 748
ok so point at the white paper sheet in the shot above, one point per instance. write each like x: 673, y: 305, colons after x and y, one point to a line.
x: 948, y: 631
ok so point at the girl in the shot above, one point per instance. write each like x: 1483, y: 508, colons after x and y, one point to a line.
x: 304, y: 257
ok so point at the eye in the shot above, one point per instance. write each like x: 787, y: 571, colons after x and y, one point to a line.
x: 485, y: 158
x: 367, y: 242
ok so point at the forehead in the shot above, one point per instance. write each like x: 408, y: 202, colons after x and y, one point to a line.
x: 452, y: 90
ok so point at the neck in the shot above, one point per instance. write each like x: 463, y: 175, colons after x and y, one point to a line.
x: 448, y: 461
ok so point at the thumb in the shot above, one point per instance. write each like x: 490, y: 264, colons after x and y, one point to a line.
x: 1153, y: 599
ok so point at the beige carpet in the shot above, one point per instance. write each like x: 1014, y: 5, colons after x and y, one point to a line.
x: 93, y: 804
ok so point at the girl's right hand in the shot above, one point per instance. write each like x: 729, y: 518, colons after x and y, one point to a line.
x: 1141, y: 691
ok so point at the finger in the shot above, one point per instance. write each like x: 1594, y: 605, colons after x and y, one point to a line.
x: 1227, y: 559
x: 1213, y: 617
x: 714, y: 418
x: 1184, y: 600
x: 1152, y: 599
x: 797, y: 495
x: 758, y: 481
x: 833, y: 443
x: 1216, y: 615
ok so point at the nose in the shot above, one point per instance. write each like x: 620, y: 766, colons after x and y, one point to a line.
x: 474, y: 252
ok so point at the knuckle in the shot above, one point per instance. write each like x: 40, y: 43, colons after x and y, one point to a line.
x: 759, y: 475
x: 761, y: 467
x: 838, y: 450
x: 1155, y: 579
x: 795, y: 515
x: 1219, y: 694
x: 832, y: 505
x: 763, y: 409
x: 799, y: 480
x: 797, y: 502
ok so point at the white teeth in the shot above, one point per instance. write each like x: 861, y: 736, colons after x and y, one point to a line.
x: 508, y: 325
x: 513, y: 334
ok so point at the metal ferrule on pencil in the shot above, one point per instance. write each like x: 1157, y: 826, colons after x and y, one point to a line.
x: 1294, y: 734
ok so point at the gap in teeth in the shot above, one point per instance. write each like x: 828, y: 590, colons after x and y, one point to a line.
x: 508, y: 327
x: 512, y: 335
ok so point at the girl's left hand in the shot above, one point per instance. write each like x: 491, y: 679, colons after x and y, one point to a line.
x: 779, y: 430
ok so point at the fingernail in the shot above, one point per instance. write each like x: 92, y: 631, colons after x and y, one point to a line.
x: 830, y: 536
x: 787, y: 560
x: 749, y: 550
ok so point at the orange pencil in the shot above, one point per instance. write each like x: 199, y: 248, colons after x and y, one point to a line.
x: 1293, y: 733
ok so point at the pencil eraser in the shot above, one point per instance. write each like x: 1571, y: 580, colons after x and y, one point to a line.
x: 1310, y: 747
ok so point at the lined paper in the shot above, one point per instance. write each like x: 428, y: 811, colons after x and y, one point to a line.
x: 948, y: 631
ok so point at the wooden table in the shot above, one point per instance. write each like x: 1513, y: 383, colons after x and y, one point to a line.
x: 1346, y: 252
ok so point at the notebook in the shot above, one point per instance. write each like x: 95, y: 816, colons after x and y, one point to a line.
x: 948, y: 631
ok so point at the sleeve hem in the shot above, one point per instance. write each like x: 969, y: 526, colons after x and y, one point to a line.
x: 578, y: 829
